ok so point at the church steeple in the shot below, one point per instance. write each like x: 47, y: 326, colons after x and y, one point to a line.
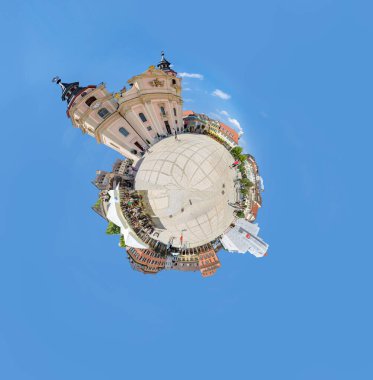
x: 69, y: 90
x: 165, y: 66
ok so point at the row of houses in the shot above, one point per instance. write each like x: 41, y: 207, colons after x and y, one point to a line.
x: 149, y: 261
x: 253, y: 200
x: 201, y: 123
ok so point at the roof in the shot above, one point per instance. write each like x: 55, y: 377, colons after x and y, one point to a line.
x: 254, y: 209
x: 188, y: 113
x: 229, y: 132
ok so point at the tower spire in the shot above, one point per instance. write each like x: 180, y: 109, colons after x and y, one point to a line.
x: 68, y: 89
x: 164, y: 65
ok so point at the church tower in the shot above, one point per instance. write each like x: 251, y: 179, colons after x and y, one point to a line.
x: 132, y: 120
x: 154, y: 102
x: 165, y: 66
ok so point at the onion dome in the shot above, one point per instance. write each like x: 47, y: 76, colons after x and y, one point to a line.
x: 164, y: 65
x: 69, y: 90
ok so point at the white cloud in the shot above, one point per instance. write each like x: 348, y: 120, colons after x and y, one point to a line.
x: 191, y: 75
x: 232, y: 121
x: 236, y: 123
x: 221, y: 94
x: 188, y: 100
x: 187, y: 89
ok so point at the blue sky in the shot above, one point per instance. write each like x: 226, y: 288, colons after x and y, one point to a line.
x: 299, y: 76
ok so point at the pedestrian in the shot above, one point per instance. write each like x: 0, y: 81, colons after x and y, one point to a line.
x: 235, y: 163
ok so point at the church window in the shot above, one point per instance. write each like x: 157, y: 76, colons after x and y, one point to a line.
x: 173, y: 81
x: 90, y: 100
x: 123, y: 131
x: 175, y: 111
x: 103, y: 112
x: 142, y: 117
x: 163, y: 112
x: 149, y: 128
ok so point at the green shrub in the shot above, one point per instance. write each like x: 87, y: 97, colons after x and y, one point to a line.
x: 246, y: 182
x: 242, y: 157
x: 236, y: 152
x: 240, y: 214
x: 112, y: 229
x: 122, y: 243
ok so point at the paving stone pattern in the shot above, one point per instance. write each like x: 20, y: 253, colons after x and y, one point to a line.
x: 188, y: 184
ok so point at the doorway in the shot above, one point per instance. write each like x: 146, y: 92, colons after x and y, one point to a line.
x: 167, y: 127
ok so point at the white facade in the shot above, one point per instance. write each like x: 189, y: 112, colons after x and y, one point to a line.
x: 114, y: 214
x: 243, y: 237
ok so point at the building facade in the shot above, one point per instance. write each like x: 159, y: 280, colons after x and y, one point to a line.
x: 196, y: 122
x: 132, y: 120
x: 208, y: 262
x: 223, y: 132
x: 201, y: 123
x: 243, y: 237
x: 253, y: 200
x: 122, y: 174
x: 145, y: 260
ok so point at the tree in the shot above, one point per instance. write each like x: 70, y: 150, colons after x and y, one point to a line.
x: 241, y: 168
x: 112, y: 229
x: 122, y: 243
x: 236, y: 151
x: 244, y: 191
x: 240, y: 214
x: 246, y: 182
x: 242, y: 157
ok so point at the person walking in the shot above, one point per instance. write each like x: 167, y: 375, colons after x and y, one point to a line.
x: 235, y: 163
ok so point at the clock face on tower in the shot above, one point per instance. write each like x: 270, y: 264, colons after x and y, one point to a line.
x: 96, y: 105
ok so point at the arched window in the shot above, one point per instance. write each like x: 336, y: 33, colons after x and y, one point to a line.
x: 90, y: 100
x: 163, y: 112
x: 103, y: 112
x: 173, y: 81
x: 142, y: 117
x: 123, y: 131
x: 175, y: 112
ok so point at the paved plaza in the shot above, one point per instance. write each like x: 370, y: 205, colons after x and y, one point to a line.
x: 187, y: 185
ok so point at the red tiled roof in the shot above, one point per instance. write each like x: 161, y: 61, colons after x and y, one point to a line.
x: 187, y: 113
x: 254, y: 209
x: 228, y: 131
